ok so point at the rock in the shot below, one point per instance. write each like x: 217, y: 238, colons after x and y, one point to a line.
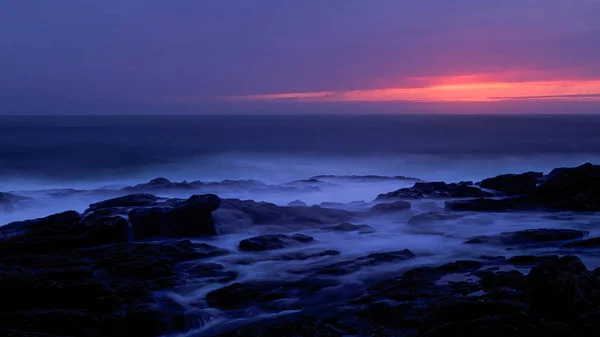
x: 9, y: 201
x: 530, y: 236
x: 297, y: 203
x: 285, y: 328
x: 576, y: 188
x: 216, y: 272
x: 391, y: 207
x: 131, y: 200
x: 587, y: 243
x: 163, y: 184
x: 431, y: 217
x: 460, y: 266
x: 435, y: 190
x: 188, y: 218
x: 234, y: 214
x: 563, y: 289
x: 531, y: 260
x: 348, y: 227
x: 350, y: 266
x: 366, y: 178
x: 305, y: 256
x: 484, y: 205
x: 513, y: 184
x: 272, y: 242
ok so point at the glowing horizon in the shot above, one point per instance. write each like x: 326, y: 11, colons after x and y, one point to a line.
x: 442, y: 89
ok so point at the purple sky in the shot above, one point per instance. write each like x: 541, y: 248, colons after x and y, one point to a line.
x: 141, y: 56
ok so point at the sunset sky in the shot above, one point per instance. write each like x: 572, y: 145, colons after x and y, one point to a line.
x: 86, y: 56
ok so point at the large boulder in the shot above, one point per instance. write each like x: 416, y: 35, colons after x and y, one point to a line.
x: 530, y: 236
x: 188, y: 218
x: 435, y: 190
x: 131, y: 200
x: 273, y: 241
x: 563, y: 289
x: 234, y: 214
x: 395, y: 206
x: 513, y: 184
x: 576, y: 188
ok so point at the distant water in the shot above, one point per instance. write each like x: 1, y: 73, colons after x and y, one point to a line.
x: 92, y: 151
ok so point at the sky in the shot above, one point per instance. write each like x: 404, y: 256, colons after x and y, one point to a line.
x: 308, y: 56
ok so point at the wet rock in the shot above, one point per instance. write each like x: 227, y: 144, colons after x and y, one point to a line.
x: 188, y: 218
x: 9, y: 201
x: 396, y: 206
x: 131, y: 200
x: 576, y: 188
x: 306, y: 256
x: 297, y: 203
x: 484, y: 205
x: 214, y: 271
x: 513, y: 184
x: 285, y: 328
x: 435, y: 190
x: 563, y: 289
x: 273, y: 242
x: 587, y: 243
x: 460, y: 266
x: 530, y: 236
x: 432, y: 217
x: 234, y: 214
x: 348, y: 227
x: 531, y: 260
x: 350, y: 266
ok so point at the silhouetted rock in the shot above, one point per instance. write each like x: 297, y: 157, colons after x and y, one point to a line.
x: 435, y: 190
x: 484, y: 205
x: 188, y: 218
x: 131, y: 200
x: 530, y: 236
x: 576, y: 188
x: 391, y: 207
x: 297, y: 203
x: 587, y: 243
x: 513, y: 184
x: 234, y: 214
x: 430, y: 217
x: 363, y: 177
x: 273, y: 241
x: 563, y: 289
x: 350, y: 266
x: 348, y: 227
x: 312, y: 328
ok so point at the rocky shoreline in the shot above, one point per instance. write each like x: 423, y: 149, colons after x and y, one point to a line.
x: 133, y: 265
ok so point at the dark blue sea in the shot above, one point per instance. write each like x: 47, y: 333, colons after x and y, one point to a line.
x: 68, y: 151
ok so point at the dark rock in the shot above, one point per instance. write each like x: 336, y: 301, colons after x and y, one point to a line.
x: 531, y: 260
x: 285, y: 328
x: 431, y: 217
x: 234, y: 214
x: 563, y: 289
x: 466, y: 183
x: 131, y: 200
x: 297, y: 203
x: 188, y: 218
x: 163, y: 184
x: 576, y: 188
x: 435, y: 190
x: 460, y: 266
x: 350, y: 266
x: 306, y: 256
x: 214, y: 271
x: 364, y: 177
x: 272, y: 242
x: 513, y: 184
x: 587, y: 243
x: 484, y: 205
x: 391, y: 207
x: 348, y: 227
x: 530, y: 236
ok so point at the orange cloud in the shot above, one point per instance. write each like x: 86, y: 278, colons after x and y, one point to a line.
x: 467, y: 88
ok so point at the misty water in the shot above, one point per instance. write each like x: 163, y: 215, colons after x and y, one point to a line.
x: 98, y: 156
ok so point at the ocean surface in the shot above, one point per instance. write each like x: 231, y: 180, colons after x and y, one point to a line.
x: 43, y: 158
x: 84, y: 151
